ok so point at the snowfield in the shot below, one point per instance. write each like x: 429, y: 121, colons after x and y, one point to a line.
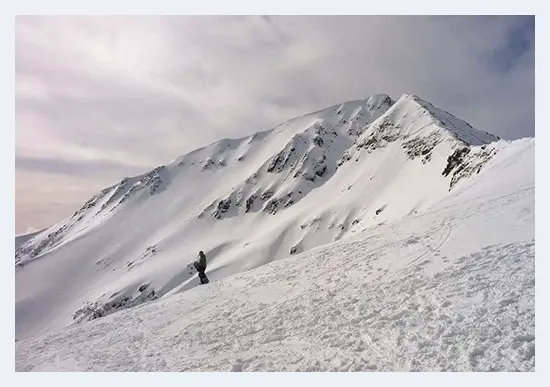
x: 374, y: 235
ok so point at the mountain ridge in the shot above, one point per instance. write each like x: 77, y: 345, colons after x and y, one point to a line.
x: 247, y: 202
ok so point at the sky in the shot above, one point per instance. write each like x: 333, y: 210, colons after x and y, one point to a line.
x: 100, y: 98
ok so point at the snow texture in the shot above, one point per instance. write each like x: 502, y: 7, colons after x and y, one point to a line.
x: 372, y: 235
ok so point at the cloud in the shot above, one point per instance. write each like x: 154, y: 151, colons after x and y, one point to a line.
x: 135, y: 92
x: 67, y: 167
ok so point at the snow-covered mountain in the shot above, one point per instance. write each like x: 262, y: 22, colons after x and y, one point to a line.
x: 344, y: 171
x: 448, y: 289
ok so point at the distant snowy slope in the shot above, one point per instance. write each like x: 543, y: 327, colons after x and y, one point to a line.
x: 247, y: 202
x: 23, y: 238
x: 449, y: 288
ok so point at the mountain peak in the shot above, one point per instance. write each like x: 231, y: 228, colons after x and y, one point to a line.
x: 245, y: 202
x: 458, y: 128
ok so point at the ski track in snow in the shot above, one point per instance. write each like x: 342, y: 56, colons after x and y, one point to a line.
x: 420, y: 294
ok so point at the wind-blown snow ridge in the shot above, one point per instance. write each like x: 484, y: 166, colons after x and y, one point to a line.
x: 246, y: 202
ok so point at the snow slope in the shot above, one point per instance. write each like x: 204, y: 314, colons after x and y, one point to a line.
x: 451, y: 288
x: 248, y: 202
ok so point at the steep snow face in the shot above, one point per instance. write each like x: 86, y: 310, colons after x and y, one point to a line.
x: 247, y: 202
x: 448, y: 289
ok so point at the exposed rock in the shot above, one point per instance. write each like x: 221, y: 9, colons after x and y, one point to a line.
x: 422, y: 146
x: 378, y: 211
x: 154, y: 184
x: 318, y: 140
x: 208, y: 164
x: 32, y: 249
x: 250, y: 202
x: 345, y: 158
x: 92, y: 311
x: 370, y: 142
x: 320, y: 169
x: 278, y: 163
x: 122, y: 186
x: 273, y: 206
x: 310, y: 223
x: 151, y: 180
x: 380, y: 136
x: 312, y: 167
x: 465, y: 164
x: 266, y: 195
x: 341, y: 228
x: 89, y: 204
x: 322, y: 127
x: 455, y: 159
x: 223, y: 206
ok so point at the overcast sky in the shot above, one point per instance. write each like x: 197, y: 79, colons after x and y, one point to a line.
x: 100, y: 98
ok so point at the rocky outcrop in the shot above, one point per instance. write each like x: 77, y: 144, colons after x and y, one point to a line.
x: 275, y: 204
x: 33, y: 248
x: 210, y: 163
x: 250, y: 202
x: 455, y: 160
x: 94, y: 310
x: 312, y: 167
x: 153, y: 182
x: 119, y: 191
x: 422, y: 146
x: 237, y: 201
x: 89, y: 204
x: 296, y: 249
x: 281, y: 159
x: 222, y: 208
x: 464, y: 162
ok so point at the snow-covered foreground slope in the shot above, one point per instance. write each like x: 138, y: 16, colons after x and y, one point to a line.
x: 451, y: 288
x: 247, y: 202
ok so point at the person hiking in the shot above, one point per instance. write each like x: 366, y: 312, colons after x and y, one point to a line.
x: 200, y: 265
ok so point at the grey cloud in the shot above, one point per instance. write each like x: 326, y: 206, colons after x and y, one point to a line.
x: 143, y: 90
x: 70, y: 167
